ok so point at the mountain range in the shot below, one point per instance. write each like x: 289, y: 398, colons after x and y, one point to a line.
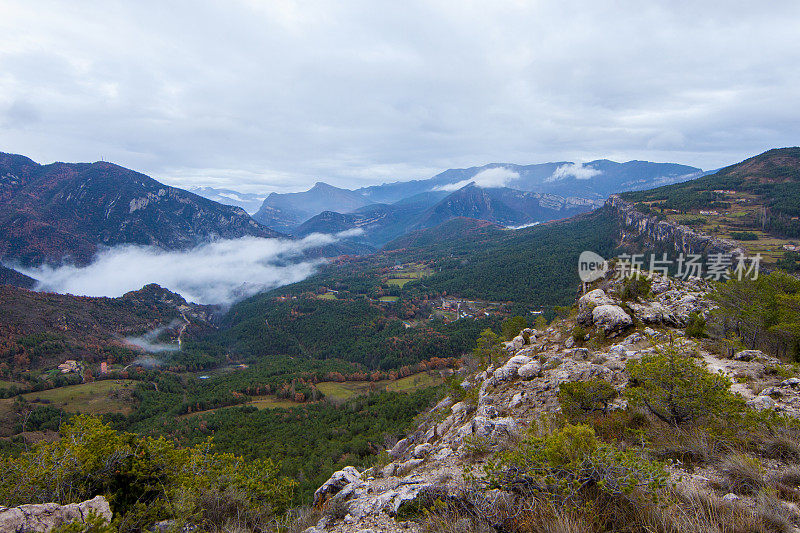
x: 246, y: 200
x: 506, y: 194
x: 595, y: 179
x: 65, y: 211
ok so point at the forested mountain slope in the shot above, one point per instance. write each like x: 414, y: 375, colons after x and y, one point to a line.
x: 49, y: 213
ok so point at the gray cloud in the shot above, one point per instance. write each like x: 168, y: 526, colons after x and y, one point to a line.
x: 274, y: 95
x: 220, y: 272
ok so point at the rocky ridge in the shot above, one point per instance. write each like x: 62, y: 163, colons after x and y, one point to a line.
x: 511, y: 396
x: 681, y: 238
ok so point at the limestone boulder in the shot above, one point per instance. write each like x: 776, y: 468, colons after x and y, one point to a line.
x: 509, y: 370
x: 336, y: 483
x: 46, y: 516
x: 612, y: 319
x: 529, y: 370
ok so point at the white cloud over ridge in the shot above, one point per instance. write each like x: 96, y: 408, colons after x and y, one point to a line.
x: 219, y: 272
x: 486, y: 179
x: 574, y: 170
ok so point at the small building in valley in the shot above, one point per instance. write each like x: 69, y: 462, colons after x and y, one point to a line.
x: 69, y: 366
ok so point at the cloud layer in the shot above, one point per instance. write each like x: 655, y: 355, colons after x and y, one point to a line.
x: 276, y: 94
x: 574, y: 170
x: 215, y: 273
x: 491, y: 177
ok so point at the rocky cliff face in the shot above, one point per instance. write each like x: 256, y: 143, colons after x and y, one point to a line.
x: 512, y: 395
x: 46, y: 516
x: 681, y: 238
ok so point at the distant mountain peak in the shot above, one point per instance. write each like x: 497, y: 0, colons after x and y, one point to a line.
x: 64, y: 211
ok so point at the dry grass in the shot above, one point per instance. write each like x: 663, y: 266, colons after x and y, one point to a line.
x: 743, y: 474
x: 638, y: 512
x: 690, y: 447
x: 781, y: 448
x: 299, y: 519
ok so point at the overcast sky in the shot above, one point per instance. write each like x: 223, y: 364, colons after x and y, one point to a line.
x: 273, y: 96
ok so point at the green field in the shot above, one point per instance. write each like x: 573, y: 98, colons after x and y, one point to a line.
x: 408, y: 273
x: 259, y: 402
x: 9, y: 384
x: 414, y: 382
x: 101, y: 397
x: 326, y: 296
x: 341, y: 391
x: 389, y: 298
x: 271, y: 402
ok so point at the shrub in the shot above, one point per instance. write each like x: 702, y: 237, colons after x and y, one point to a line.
x: 578, y: 333
x: 512, y: 326
x: 676, y: 389
x: 695, y: 221
x: 459, y: 393
x: 696, y: 327
x: 562, y: 311
x: 146, y: 479
x: 636, y: 287
x: 475, y: 446
x: 94, y: 524
x: 336, y: 508
x: 448, y: 517
x: 583, y: 397
x: 570, y: 461
x: 782, y: 448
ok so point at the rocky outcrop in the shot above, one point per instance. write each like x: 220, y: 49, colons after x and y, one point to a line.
x: 681, y: 238
x: 521, y: 389
x: 46, y: 516
x: 612, y: 319
x: 338, y: 481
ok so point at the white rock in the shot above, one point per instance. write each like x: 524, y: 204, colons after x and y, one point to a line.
x: 460, y: 407
x: 509, y: 370
x: 423, y: 450
x: 761, y: 403
x: 517, y: 400
x: 748, y: 355
x: 335, y: 483
x: 404, y: 468
x: 443, y: 454
x: 529, y: 370
x: 444, y: 425
x: 611, y: 318
x: 388, y: 470
x: 518, y: 360
x: 401, y: 447
x: 494, y: 428
x: 466, y: 430
x: 444, y: 404
x: 46, y: 516
x: 593, y: 299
